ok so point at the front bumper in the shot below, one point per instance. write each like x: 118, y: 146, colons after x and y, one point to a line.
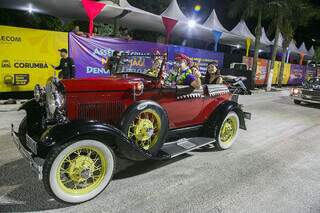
x: 305, y: 99
x: 35, y: 162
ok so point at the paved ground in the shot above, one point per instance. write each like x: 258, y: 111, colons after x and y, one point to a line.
x: 274, y: 167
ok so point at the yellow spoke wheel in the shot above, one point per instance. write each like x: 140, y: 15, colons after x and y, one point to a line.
x: 228, y: 131
x: 78, y: 171
x: 82, y: 170
x: 145, y: 129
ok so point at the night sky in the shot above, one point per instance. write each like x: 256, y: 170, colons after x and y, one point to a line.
x: 312, y: 31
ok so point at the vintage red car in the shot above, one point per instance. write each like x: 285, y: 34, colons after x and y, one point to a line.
x: 74, y: 129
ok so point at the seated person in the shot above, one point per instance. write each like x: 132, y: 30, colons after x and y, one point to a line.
x: 185, y: 75
x: 213, y: 74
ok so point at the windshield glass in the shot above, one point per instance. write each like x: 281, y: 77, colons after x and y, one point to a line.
x: 149, y: 65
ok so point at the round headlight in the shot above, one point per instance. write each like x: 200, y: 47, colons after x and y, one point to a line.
x: 37, y: 93
x: 55, y: 99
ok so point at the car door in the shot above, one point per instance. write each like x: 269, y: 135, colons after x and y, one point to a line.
x: 183, y: 107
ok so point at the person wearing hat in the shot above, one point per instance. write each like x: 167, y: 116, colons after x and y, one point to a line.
x: 186, y: 76
x: 213, y: 74
x: 66, y: 65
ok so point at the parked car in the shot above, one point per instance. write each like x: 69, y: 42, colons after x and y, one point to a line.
x: 309, y: 93
x: 74, y: 129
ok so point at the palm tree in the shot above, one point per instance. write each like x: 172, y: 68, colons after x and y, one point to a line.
x: 316, y: 57
x: 288, y: 34
x: 250, y: 9
x: 286, y: 16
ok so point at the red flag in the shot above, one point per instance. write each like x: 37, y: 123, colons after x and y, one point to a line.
x: 169, y: 25
x: 93, y: 9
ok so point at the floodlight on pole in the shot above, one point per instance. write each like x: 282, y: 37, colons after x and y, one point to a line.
x: 191, y: 23
x: 30, y: 9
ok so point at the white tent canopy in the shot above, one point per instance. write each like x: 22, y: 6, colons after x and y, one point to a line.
x: 280, y: 40
x: 303, y: 49
x: 311, y: 51
x: 213, y: 23
x: 174, y: 12
x: 292, y: 47
x: 264, y: 39
x: 135, y: 18
x: 242, y: 29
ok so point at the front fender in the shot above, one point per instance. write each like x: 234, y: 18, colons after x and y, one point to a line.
x: 34, y: 114
x: 64, y: 133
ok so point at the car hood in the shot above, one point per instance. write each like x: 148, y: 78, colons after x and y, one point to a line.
x: 112, y: 83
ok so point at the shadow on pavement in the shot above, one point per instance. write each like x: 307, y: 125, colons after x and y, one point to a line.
x: 138, y: 168
x: 28, y: 193
x: 287, y: 100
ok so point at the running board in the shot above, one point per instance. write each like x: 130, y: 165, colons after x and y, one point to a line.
x: 182, y: 146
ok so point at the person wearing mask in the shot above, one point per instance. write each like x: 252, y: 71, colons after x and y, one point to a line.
x: 66, y: 65
x: 213, y: 74
x: 185, y: 75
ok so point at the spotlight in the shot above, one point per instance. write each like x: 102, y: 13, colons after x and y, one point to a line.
x: 192, y: 23
x: 197, y: 8
x: 30, y: 9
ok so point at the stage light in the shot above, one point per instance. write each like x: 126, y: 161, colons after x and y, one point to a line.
x: 191, y: 23
x: 197, y: 8
x: 30, y: 9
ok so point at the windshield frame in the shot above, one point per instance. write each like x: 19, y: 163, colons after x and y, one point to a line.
x: 153, y: 56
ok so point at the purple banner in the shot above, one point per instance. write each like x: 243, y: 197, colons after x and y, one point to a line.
x: 297, y: 74
x: 202, y: 57
x: 91, y: 54
x: 311, y: 73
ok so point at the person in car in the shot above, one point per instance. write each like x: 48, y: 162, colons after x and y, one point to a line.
x: 213, y: 74
x: 185, y: 74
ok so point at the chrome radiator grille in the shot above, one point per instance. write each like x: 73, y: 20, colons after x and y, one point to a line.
x: 109, y: 112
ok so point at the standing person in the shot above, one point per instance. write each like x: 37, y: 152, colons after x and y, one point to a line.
x: 113, y: 62
x: 66, y: 66
x: 124, y: 33
x: 213, y: 74
x: 77, y: 31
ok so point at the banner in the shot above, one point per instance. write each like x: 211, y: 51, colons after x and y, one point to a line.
x: 297, y: 74
x: 26, y: 57
x: 91, y: 54
x: 311, y: 73
x: 262, y: 66
x: 202, y: 57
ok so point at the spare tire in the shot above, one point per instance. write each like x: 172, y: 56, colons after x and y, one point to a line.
x: 146, y: 124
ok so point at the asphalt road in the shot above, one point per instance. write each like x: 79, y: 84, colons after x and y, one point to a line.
x: 273, y: 167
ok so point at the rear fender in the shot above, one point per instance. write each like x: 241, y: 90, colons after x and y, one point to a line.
x: 64, y: 133
x: 217, y: 117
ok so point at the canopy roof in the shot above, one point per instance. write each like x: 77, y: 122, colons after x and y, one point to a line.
x: 280, y: 41
x: 136, y: 18
x: 264, y: 38
x: 242, y: 29
x: 174, y: 12
x: 213, y: 23
x: 303, y: 49
x: 311, y: 51
x: 292, y: 47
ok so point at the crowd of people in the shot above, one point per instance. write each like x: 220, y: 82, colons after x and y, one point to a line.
x: 123, y: 33
x: 185, y: 71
